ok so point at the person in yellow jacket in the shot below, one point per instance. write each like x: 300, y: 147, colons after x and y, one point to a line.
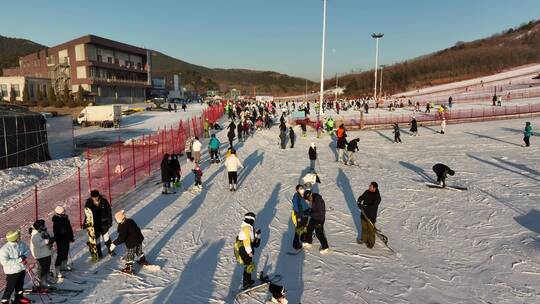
x: 244, y: 248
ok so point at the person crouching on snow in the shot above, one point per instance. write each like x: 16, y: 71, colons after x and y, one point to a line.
x: 41, y: 248
x: 130, y: 234
x: 244, y: 248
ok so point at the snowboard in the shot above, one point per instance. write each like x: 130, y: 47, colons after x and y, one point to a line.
x: 263, y: 281
x: 454, y: 188
x: 92, y: 242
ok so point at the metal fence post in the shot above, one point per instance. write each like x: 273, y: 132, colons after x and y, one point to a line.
x: 89, y: 167
x: 120, y: 158
x: 149, y: 159
x: 133, y: 160
x: 80, y: 197
x: 109, y: 175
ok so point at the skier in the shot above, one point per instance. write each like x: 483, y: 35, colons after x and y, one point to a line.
x: 312, y: 153
x: 13, y: 257
x: 244, y: 248
x: 41, y: 247
x: 299, y: 216
x: 232, y: 163
x: 368, y: 203
x: 341, y: 145
x: 352, y: 147
x: 197, y: 150
x: 175, y: 167
x: 414, y: 127
x: 130, y: 234
x: 317, y: 216
x: 442, y: 171
x: 63, y: 235
x: 397, y: 134
x: 443, y: 125
x: 278, y: 294
x: 167, y: 174
x: 189, y: 148
x: 527, y: 133
x: 292, y: 136
x: 198, y: 177
x: 214, y: 148
x: 101, y: 213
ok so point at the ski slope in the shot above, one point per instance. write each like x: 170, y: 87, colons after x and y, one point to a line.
x: 476, y: 246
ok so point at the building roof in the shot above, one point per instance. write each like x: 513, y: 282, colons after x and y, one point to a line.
x: 93, y: 39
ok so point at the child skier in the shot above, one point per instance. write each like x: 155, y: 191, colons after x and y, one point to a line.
x: 13, y: 259
x: 368, y: 203
x: 130, y: 234
x: 198, y: 177
x: 244, y: 248
x: 63, y: 235
x: 397, y: 134
x: 300, y: 214
x: 213, y: 146
x: 312, y: 152
x: 41, y: 248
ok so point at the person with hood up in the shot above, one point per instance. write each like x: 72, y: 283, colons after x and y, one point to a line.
x: 175, y: 166
x: 13, y: 257
x: 63, y: 236
x: 312, y: 153
x: 167, y: 174
x: 41, y: 247
x: 130, y: 234
x: 244, y: 248
x: 232, y: 163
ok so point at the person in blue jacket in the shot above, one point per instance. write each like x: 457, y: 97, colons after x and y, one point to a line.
x: 214, y: 148
x: 300, y: 214
x: 13, y: 257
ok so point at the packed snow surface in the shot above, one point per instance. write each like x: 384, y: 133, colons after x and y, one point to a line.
x: 475, y: 246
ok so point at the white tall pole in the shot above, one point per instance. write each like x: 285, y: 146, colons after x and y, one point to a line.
x: 376, y: 67
x: 380, y: 86
x: 321, y: 94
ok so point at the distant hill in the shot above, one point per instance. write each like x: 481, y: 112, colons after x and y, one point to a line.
x: 13, y: 48
x: 465, y: 60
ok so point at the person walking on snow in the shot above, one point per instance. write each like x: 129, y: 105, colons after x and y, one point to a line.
x: 397, y: 134
x: 304, y: 128
x: 442, y: 172
x: 230, y: 136
x: 292, y: 136
x: 352, y: 147
x: 239, y: 131
x: 317, y: 216
x: 443, y: 125
x: 102, y: 218
x: 167, y: 174
x: 213, y: 146
x: 13, y: 257
x: 300, y: 214
x: 232, y: 163
x: 283, y: 138
x: 527, y: 133
x: 312, y: 153
x: 130, y: 234
x: 41, y: 247
x: 341, y: 145
x: 244, y: 248
x: 368, y: 203
x: 197, y: 146
x: 414, y: 127
x: 63, y: 235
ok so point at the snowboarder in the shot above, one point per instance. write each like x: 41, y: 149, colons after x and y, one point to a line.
x: 167, y: 174
x: 232, y: 163
x: 198, y: 177
x: 397, y: 134
x: 443, y: 125
x: 527, y: 133
x: 312, y: 153
x: 442, y: 171
x: 13, y: 257
x: 197, y: 150
x: 341, y: 145
x: 414, y: 127
x: 213, y: 146
x: 352, y: 147
x: 300, y: 214
x: 41, y: 247
x: 292, y: 136
x: 244, y: 248
x: 317, y: 216
x: 100, y: 211
x: 130, y: 234
x: 175, y: 167
x: 63, y: 235
x: 278, y: 294
x: 368, y: 203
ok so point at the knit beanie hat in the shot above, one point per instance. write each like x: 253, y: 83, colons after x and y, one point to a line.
x: 13, y: 236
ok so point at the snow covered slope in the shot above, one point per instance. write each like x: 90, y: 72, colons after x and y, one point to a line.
x: 475, y: 246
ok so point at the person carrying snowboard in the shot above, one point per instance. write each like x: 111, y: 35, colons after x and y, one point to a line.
x: 352, y: 147
x: 442, y: 172
x: 99, y: 209
x: 63, y: 235
x: 397, y: 134
x: 13, y: 257
x: 167, y: 174
x: 368, y: 203
x: 130, y: 234
x: 292, y: 136
x: 232, y: 163
x: 414, y: 127
x: 312, y: 153
x: 244, y: 248
x: 213, y: 146
x: 300, y: 212
x: 527, y: 133
x: 41, y: 247
x: 317, y: 216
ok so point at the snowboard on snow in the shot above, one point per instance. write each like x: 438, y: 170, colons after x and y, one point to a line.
x: 454, y: 188
x: 263, y: 281
x: 90, y: 230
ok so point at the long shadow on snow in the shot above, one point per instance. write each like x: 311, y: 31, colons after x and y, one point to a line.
x: 263, y: 221
x: 344, y: 185
x: 195, y: 284
x: 519, y: 131
x: 494, y: 164
x: 384, y: 136
x: 421, y: 172
x: 333, y: 147
x: 431, y: 129
x: 249, y: 164
x: 291, y: 267
x: 492, y: 138
x: 518, y: 166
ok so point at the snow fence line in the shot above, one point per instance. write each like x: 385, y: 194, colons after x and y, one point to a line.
x: 113, y: 170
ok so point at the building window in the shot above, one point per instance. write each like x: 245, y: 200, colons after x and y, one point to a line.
x: 31, y: 90
x: 17, y: 90
x: 79, y: 52
x: 109, y: 60
x: 99, y: 58
x: 81, y: 72
x: 3, y: 90
x: 116, y: 61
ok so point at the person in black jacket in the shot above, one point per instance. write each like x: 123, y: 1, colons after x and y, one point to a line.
x: 341, y: 145
x: 230, y: 136
x: 102, y: 218
x: 414, y: 127
x: 397, y: 134
x: 368, y: 203
x: 316, y: 221
x: 304, y: 128
x: 442, y: 171
x: 167, y: 174
x: 292, y: 136
x: 175, y: 167
x: 63, y: 235
x: 352, y: 147
x: 312, y: 152
x: 130, y: 234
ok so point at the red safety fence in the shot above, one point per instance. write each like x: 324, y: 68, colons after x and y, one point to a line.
x: 113, y: 170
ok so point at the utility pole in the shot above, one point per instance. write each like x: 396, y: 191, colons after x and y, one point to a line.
x: 321, y: 94
x: 376, y: 36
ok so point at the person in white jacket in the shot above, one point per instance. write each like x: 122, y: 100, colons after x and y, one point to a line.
x: 41, y: 248
x: 232, y: 163
x: 13, y: 259
x: 197, y: 150
x: 443, y: 126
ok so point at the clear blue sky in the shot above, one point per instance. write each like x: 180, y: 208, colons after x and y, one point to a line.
x: 279, y: 35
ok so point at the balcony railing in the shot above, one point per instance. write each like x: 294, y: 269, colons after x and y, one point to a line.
x: 115, y: 80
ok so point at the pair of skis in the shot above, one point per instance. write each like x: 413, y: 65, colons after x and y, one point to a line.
x: 264, y: 281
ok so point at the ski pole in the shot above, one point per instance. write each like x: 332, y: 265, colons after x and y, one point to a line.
x: 34, y: 283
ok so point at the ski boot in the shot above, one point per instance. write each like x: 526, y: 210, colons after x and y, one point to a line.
x: 142, y: 261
